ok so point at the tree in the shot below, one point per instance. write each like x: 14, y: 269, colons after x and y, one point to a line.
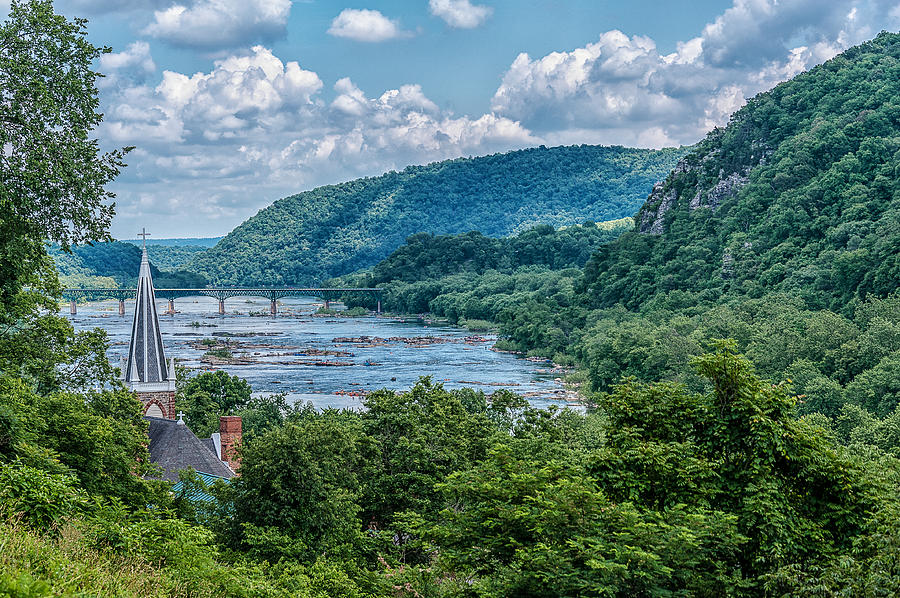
x: 53, y: 175
x: 98, y: 438
x: 417, y: 438
x: 61, y: 405
x: 208, y: 395
x: 297, y: 493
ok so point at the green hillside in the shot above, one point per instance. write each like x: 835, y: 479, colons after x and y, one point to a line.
x: 333, y: 230
x: 426, y: 256
x: 177, y: 242
x: 473, y: 278
x: 799, y: 194
x: 117, y: 263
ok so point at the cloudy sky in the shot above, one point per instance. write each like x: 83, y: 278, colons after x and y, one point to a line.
x: 235, y: 103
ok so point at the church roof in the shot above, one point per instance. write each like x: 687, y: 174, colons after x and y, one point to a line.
x: 146, y: 357
x: 174, y: 447
x: 198, y: 495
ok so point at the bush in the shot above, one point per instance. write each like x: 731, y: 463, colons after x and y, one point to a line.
x: 478, y: 325
x: 41, y: 500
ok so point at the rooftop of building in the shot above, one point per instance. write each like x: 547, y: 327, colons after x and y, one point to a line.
x: 174, y: 447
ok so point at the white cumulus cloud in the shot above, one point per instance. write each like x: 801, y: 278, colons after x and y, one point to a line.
x: 97, y: 7
x: 136, y: 56
x: 621, y: 89
x: 218, y: 24
x: 224, y: 143
x: 364, y: 25
x: 460, y: 13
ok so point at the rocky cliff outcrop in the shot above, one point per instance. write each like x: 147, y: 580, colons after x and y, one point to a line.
x: 651, y: 217
x: 700, y: 177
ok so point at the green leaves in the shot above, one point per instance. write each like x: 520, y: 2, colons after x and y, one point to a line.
x: 299, y: 484
x: 208, y: 395
x: 689, y: 494
x: 520, y: 525
x: 53, y: 175
x: 416, y: 438
x: 41, y: 500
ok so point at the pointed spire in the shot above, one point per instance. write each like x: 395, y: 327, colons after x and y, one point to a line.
x: 146, y: 357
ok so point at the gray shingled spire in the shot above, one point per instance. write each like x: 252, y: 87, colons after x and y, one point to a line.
x: 146, y: 357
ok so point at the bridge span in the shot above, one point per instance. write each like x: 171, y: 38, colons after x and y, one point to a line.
x: 273, y: 294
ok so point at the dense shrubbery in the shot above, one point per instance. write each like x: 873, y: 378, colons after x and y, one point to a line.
x: 718, y: 491
x: 337, y: 229
x: 454, y: 493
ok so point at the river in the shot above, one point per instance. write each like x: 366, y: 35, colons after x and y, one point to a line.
x: 327, y: 360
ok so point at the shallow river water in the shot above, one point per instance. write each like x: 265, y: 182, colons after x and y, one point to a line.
x: 323, y: 359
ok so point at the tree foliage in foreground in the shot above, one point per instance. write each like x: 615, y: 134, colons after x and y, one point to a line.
x: 661, y: 491
x: 704, y: 494
x: 52, y: 175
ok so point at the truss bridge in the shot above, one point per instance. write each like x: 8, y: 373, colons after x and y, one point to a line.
x: 220, y: 293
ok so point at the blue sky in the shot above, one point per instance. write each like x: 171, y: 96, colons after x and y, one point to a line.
x: 235, y: 103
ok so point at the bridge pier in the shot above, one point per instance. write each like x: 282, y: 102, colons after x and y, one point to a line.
x: 171, y: 310
x: 121, y: 307
x: 326, y: 304
x: 378, y: 309
x: 73, y: 307
x: 273, y: 308
x: 221, y: 307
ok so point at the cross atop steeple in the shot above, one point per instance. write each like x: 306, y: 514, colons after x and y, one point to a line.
x: 144, y: 234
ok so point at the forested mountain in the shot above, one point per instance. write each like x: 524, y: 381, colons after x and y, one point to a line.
x: 425, y: 256
x: 177, y: 242
x: 473, y: 277
x: 798, y: 194
x: 336, y: 229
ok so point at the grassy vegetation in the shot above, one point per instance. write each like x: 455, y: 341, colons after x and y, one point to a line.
x: 33, y: 565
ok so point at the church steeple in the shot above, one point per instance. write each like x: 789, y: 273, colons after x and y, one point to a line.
x: 146, y: 370
x: 146, y: 355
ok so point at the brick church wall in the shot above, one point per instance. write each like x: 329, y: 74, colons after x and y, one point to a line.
x: 164, y: 399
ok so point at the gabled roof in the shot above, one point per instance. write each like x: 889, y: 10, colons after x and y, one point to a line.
x: 146, y: 357
x: 174, y: 447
